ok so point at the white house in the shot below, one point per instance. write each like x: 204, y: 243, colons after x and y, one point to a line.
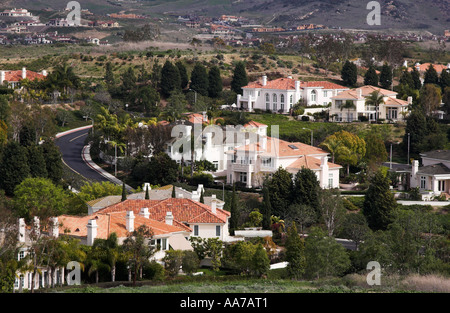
x: 252, y: 163
x: 280, y: 95
x: 12, y: 78
x: 433, y: 177
x: 391, y: 109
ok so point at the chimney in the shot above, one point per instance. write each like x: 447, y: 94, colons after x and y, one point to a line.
x: 91, y: 231
x: 359, y: 93
x: 2, y: 77
x: 130, y: 221
x: 297, y: 86
x: 410, y: 100
x: 37, y: 226
x: 205, y: 117
x: 414, y: 168
x: 213, y: 204
x: 200, y: 188
x: 54, y: 227
x: 324, y: 173
x: 147, y: 185
x: 24, y: 73
x: 144, y: 213
x: 180, y: 196
x: 289, y: 77
x: 264, y: 142
x: 169, y: 218
x: 21, y: 230
x: 264, y: 80
x: 44, y: 72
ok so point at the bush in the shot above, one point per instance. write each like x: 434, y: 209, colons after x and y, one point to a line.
x: 305, y: 118
x: 153, y: 271
x: 190, y: 262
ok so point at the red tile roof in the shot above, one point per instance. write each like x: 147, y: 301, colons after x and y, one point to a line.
x: 279, y: 84
x: 309, y: 162
x: 254, y: 124
x: 323, y: 84
x: 16, y: 76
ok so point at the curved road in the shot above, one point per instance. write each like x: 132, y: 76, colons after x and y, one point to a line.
x: 71, y: 145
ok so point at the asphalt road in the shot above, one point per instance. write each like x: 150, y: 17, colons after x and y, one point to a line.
x: 71, y: 146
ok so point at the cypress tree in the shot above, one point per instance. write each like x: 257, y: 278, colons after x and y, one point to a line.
x: 13, y: 167
x: 349, y: 73
x: 173, y: 192
x: 215, y: 82
x: 295, y: 253
x: 124, y: 192
x: 416, y: 79
x: 266, y: 209
x: 371, y: 77
x: 407, y: 79
x: 431, y: 76
x: 444, y: 80
x: 386, y: 76
x: 53, y: 161
x: 170, y: 79
x: 184, y: 79
x: 234, y: 212
x: 240, y: 78
x: 36, y: 161
x: 147, y: 196
x: 109, y: 75
x: 202, y: 199
x: 199, y: 79
x: 306, y: 188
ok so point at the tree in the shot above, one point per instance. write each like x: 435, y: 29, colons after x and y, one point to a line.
x: 266, y: 209
x: 147, y: 195
x: 386, y: 76
x: 215, y: 85
x: 301, y: 214
x: 430, y: 98
x: 173, y: 261
x: 280, y: 188
x: 295, y: 253
x: 324, y: 256
x: 190, y: 262
x: 355, y: 228
x: 306, y: 188
x: 13, y: 167
x: 349, y: 73
x: 39, y: 197
x: 260, y: 262
x: 124, y: 192
x: 109, y: 75
x: 431, y: 76
x: 36, y: 161
x: 137, y: 246
x: 202, y: 199
x: 379, y: 202
x: 234, y: 212
x: 331, y: 209
x: 53, y: 160
x: 173, y: 192
x: 348, y: 105
x: 184, y: 79
x: 96, y: 190
x: 162, y: 170
x: 371, y: 77
x: 240, y: 78
x: 375, y: 99
x: 199, y: 79
x: 375, y: 150
x: 415, y: 75
x: 444, y: 79
x: 170, y: 79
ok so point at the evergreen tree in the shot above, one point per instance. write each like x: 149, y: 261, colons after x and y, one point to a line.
x: 53, y: 161
x: 36, y: 161
x: 349, y: 73
x: 13, y: 167
x: 240, y: 78
x: 147, y: 195
x: 184, y: 79
x: 306, y: 188
x: 173, y: 193
x: 379, y: 203
x: 431, y: 76
x: 386, y: 76
x: 124, y: 192
x: 407, y: 79
x: 128, y: 82
x: 260, y: 262
x: 215, y: 82
x: 109, y: 75
x: 234, y: 218
x: 416, y: 79
x: 280, y: 188
x: 202, y: 199
x: 170, y: 79
x: 295, y: 253
x: 199, y: 79
x: 266, y: 209
x: 444, y: 80
x: 371, y: 77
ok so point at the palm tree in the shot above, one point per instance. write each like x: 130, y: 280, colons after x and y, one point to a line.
x: 335, y: 147
x: 375, y: 98
x: 349, y: 105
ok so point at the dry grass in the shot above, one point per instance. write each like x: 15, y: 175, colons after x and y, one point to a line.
x: 428, y: 283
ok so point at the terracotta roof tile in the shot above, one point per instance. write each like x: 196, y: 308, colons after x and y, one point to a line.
x: 309, y: 162
x: 279, y: 84
x: 323, y: 84
x: 16, y: 76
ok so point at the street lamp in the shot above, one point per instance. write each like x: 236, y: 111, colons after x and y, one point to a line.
x: 312, y: 141
x: 407, y: 161
x: 88, y: 117
x: 115, y: 155
x: 223, y: 188
x: 195, y: 95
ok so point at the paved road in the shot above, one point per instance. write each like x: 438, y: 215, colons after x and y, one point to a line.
x: 71, y: 146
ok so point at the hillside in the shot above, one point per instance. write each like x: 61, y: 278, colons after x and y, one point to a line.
x: 427, y: 15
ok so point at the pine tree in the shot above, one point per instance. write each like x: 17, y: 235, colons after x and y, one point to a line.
x: 36, y: 161
x: 173, y: 192
x: 349, y: 73
x: 199, y: 79
x: 379, y: 203
x: 202, y: 199
x: 371, y: 77
x: 416, y: 79
x: 234, y: 212
x: 431, y: 76
x: 147, y: 195
x: 240, y: 78
x: 407, y: 79
x: 386, y: 76
x: 295, y: 253
x: 266, y: 209
x: 13, y: 167
x: 306, y: 188
x: 53, y: 161
x: 124, y: 192
x: 215, y: 82
x: 444, y: 80
x: 184, y: 79
x: 170, y: 79
x: 109, y: 75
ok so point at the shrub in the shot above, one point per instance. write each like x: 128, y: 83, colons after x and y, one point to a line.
x: 190, y: 262
x: 153, y: 271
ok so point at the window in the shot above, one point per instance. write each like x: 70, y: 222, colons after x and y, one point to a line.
x: 338, y: 104
x: 350, y: 117
x: 423, y: 182
x: 330, y: 181
x: 21, y: 255
x: 291, y: 101
x: 313, y: 96
x: 195, y: 230
x: 267, y: 162
x: 267, y: 102
x: 218, y: 230
x: 441, y: 184
x: 216, y: 164
x: 325, y: 93
x: 275, y: 102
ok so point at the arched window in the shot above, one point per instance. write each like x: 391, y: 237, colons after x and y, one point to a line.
x: 291, y: 101
x: 274, y: 102
x: 267, y: 102
x: 313, y: 96
x: 282, y: 102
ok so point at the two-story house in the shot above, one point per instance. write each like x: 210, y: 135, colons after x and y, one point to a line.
x: 12, y: 79
x: 280, y: 95
x: 391, y: 109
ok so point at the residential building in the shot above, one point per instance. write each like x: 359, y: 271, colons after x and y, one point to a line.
x: 250, y: 164
x: 16, y: 13
x: 391, y: 109
x: 280, y: 95
x: 422, y: 68
x: 13, y: 78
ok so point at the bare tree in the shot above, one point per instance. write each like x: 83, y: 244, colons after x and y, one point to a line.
x: 331, y: 209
